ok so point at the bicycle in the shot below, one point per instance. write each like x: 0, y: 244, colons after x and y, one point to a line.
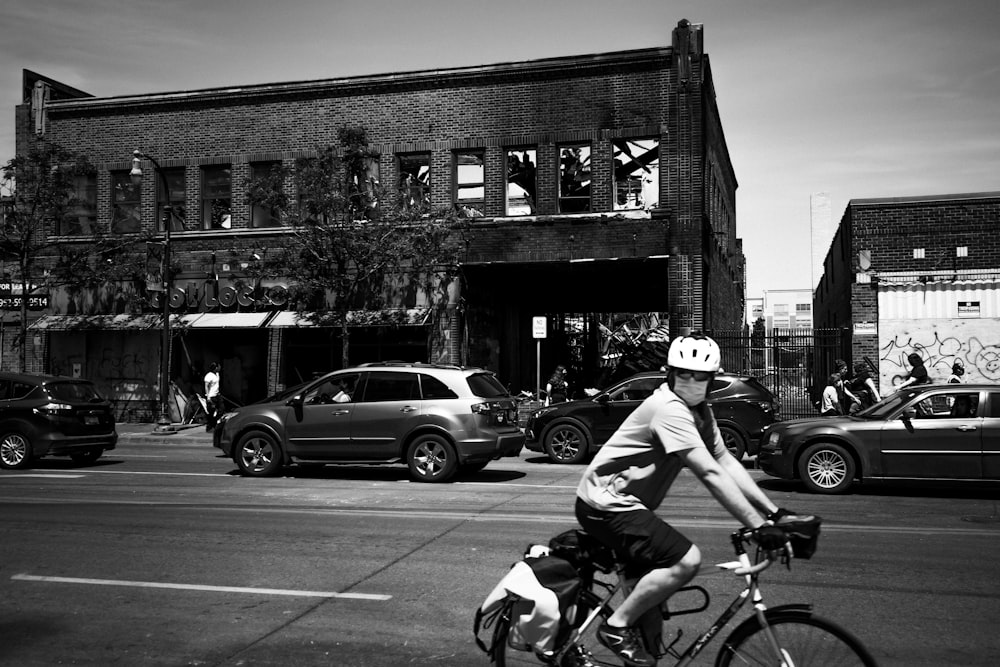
x: 788, y: 635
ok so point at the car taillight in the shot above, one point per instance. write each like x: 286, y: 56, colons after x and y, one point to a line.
x: 482, y: 408
x: 766, y: 406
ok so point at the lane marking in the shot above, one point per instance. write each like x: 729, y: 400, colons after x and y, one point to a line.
x: 43, y: 475
x: 199, y: 587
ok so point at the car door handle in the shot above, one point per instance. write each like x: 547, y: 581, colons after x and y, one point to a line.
x: 965, y: 427
x: 407, y: 408
x: 340, y: 412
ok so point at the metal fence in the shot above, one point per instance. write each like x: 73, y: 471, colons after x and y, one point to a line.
x: 791, y: 363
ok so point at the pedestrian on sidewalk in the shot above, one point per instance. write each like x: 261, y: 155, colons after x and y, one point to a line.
x: 213, y: 396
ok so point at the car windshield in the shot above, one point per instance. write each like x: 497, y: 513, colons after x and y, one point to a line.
x: 73, y: 392
x: 285, y: 393
x: 486, y: 385
x: 886, y: 406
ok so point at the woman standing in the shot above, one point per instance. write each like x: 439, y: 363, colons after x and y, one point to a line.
x: 557, y: 389
x: 863, y: 387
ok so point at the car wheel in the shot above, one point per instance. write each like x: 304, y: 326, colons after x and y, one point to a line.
x: 734, y: 441
x: 258, y: 454
x: 826, y: 468
x: 86, y: 456
x: 431, y: 458
x: 15, y: 451
x: 565, y: 443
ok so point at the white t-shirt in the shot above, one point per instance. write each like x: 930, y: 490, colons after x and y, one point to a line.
x: 211, y: 384
x: 637, y: 465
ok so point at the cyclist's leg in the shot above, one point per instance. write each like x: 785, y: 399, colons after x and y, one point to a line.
x: 658, y: 559
x: 656, y: 586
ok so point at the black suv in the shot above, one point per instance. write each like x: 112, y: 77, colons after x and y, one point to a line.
x: 44, y: 415
x: 570, y: 432
x: 439, y: 420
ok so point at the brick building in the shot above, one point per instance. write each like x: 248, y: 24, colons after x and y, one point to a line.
x: 916, y: 274
x: 600, y: 186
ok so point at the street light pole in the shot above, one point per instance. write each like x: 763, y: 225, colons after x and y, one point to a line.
x: 163, y: 422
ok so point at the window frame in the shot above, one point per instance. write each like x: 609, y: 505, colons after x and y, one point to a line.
x: 132, y: 207
x: 653, y: 169
x: 257, y: 212
x: 415, y: 194
x: 180, y: 210
x: 571, y: 203
x: 471, y: 207
x: 209, y: 197
x: 532, y: 171
x: 83, y: 207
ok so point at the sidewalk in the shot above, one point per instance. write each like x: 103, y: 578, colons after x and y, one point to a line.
x: 189, y: 434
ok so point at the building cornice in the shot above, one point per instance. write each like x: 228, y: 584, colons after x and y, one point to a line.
x: 655, y: 58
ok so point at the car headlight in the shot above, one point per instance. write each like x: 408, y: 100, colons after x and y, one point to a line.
x: 224, y: 418
x: 773, y: 439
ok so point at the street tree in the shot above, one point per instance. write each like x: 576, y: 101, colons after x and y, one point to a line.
x: 353, y: 243
x: 43, y: 190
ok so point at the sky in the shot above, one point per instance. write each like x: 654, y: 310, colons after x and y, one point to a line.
x: 854, y: 98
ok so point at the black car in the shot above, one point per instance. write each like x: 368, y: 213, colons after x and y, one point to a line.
x: 929, y: 432
x: 570, y: 432
x: 44, y: 415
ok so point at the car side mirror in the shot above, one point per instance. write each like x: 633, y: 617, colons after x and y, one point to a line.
x: 603, y: 398
x: 909, y: 413
x: 295, y: 401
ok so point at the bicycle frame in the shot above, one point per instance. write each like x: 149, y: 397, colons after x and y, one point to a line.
x: 743, y: 566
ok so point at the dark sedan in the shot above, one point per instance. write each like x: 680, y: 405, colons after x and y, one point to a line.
x: 570, y: 432
x: 930, y: 432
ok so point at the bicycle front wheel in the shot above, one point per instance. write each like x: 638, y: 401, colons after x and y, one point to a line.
x: 805, y: 640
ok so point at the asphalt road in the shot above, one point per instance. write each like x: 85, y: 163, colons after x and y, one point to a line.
x: 160, y: 554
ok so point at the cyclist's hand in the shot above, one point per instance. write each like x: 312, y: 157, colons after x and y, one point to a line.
x: 770, y: 538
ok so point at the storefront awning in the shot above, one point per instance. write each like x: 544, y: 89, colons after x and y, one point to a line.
x: 400, y: 317
x: 224, y: 320
x: 151, y: 321
x: 71, y: 322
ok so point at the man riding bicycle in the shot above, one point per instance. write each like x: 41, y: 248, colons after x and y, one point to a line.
x: 632, y: 473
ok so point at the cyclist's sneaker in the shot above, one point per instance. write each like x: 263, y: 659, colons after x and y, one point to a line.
x: 627, y: 643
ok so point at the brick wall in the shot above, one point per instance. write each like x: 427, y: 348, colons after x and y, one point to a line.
x: 539, y: 104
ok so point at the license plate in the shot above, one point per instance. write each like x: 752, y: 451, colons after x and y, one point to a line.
x: 91, y: 420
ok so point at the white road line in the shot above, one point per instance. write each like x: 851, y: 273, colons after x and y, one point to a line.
x: 43, y: 475
x: 198, y: 587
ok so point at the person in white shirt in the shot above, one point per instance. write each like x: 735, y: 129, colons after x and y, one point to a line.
x: 213, y: 396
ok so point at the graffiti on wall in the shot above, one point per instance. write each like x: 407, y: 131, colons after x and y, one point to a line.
x: 940, y: 343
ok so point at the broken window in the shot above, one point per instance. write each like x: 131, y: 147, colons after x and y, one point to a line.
x: 126, y: 198
x: 415, y: 180
x: 636, y: 174
x: 574, y: 179
x: 521, y: 181
x: 470, y: 183
x: 174, y: 196
x: 216, y: 197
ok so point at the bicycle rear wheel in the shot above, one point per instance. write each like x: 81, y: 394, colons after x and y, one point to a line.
x: 806, y: 640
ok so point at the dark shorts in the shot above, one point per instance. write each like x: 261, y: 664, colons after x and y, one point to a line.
x: 639, y: 538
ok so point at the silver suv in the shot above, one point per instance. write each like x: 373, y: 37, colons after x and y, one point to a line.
x: 439, y: 420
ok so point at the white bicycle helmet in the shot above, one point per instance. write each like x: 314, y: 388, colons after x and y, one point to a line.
x: 694, y: 353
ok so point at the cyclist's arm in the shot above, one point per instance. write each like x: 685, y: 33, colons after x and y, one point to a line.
x: 722, y: 485
x: 747, y: 486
